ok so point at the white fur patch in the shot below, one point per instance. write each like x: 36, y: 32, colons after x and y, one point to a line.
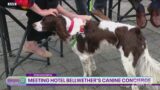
x: 147, y: 66
x: 127, y: 63
x: 77, y: 24
x: 85, y: 61
x: 128, y: 66
x: 38, y: 26
x: 68, y: 21
x: 113, y: 25
x: 102, y: 45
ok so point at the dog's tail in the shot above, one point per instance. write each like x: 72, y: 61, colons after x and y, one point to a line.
x: 147, y: 66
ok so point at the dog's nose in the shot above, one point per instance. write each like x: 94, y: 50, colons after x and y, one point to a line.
x: 34, y: 25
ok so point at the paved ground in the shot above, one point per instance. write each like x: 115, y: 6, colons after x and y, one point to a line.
x: 108, y: 62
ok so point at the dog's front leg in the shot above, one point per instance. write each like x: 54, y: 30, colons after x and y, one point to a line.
x: 93, y: 64
x: 85, y: 61
x: 86, y: 64
x: 89, y: 67
x: 84, y: 67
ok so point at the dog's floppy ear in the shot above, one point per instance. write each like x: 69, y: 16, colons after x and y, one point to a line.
x: 60, y: 26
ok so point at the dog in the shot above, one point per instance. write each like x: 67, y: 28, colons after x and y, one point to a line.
x: 88, y: 38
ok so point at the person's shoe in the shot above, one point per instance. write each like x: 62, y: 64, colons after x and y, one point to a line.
x: 32, y: 47
x: 154, y: 10
x: 140, y: 16
x: 99, y: 14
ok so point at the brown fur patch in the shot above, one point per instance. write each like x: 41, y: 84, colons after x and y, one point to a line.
x: 55, y: 23
x: 131, y: 41
x: 93, y: 37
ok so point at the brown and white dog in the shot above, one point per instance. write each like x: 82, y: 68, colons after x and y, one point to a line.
x: 95, y: 36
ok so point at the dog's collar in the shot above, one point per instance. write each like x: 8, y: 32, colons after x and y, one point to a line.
x: 72, y: 26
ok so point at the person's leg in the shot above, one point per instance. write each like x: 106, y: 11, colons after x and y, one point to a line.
x: 99, y: 5
x: 81, y: 6
x: 135, y: 3
x: 3, y: 2
x: 31, y: 45
x: 140, y: 13
x: 154, y: 10
x: 37, y: 36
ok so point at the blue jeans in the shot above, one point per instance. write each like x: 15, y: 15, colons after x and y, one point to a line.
x: 135, y: 3
x: 81, y: 6
x: 100, y: 4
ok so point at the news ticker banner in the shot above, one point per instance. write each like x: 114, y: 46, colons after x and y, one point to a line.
x: 52, y: 80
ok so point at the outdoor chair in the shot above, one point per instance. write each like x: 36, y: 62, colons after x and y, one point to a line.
x: 119, y: 15
x: 6, y: 44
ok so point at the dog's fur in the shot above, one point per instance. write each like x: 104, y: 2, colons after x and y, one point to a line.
x: 98, y: 35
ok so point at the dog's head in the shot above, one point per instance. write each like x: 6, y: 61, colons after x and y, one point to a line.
x: 54, y: 24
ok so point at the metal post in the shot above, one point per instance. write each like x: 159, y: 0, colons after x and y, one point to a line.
x: 69, y: 6
x: 119, y: 13
x: 15, y: 19
x: 2, y: 29
x: 21, y: 45
x: 6, y: 38
x: 105, y: 9
x: 48, y: 59
x: 110, y: 9
x: 61, y: 48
